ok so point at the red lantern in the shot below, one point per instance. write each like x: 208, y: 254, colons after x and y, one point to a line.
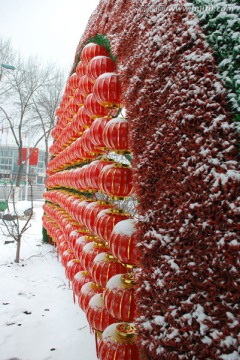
x: 104, y: 267
x: 119, y: 297
x: 100, y: 65
x: 96, y: 131
x: 97, y: 315
x: 62, y: 247
x: 119, y: 342
x: 67, y: 256
x: 115, y: 135
x: 91, y: 50
x: 72, y: 107
x: 85, y: 85
x: 80, y: 278
x: 73, y: 81
x: 80, y: 243
x: 93, y: 172
x: 78, y: 98
x: 86, y: 292
x: 73, y: 266
x: 89, y: 252
x: 83, y: 118
x: 81, y: 69
x: 92, y: 210
x: 94, y: 109
x: 105, y: 222
x: 107, y: 90
x: 123, y: 242
x: 116, y: 180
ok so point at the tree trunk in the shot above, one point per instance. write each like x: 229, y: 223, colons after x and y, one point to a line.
x: 18, y: 249
x: 19, y: 175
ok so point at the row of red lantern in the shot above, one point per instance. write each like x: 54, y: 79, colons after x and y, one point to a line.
x: 81, y: 119
x: 105, y: 134
x: 107, y: 272
x: 113, y: 179
x: 80, y: 84
x: 102, y: 220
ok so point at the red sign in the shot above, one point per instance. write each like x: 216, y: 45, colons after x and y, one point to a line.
x: 33, y: 159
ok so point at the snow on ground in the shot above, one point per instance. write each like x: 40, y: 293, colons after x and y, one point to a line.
x: 38, y: 319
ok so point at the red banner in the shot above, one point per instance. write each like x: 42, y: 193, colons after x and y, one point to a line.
x: 33, y: 159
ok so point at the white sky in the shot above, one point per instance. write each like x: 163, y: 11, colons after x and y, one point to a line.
x: 50, y: 29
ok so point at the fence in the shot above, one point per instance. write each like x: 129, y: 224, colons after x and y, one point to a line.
x: 6, y: 192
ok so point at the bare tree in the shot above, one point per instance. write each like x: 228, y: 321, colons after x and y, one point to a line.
x: 15, y: 226
x: 24, y: 110
x: 45, y: 104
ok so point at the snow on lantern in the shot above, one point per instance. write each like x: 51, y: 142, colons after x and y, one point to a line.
x: 116, y: 180
x: 91, y: 50
x: 80, y: 243
x: 89, y: 252
x: 123, y: 242
x: 100, y: 65
x: 81, y: 69
x: 115, y: 135
x: 62, y: 247
x: 119, y: 342
x: 86, y: 292
x: 105, y: 222
x: 79, y: 279
x: 119, y: 297
x: 67, y: 256
x: 94, y: 109
x: 97, y: 315
x: 107, y: 90
x: 105, y: 265
x: 92, y: 210
x: 73, y: 266
x: 85, y: 85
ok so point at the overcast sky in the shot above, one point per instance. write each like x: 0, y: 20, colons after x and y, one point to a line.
x: 50, y: 29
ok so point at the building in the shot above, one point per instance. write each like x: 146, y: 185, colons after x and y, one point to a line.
x: 9, y: 166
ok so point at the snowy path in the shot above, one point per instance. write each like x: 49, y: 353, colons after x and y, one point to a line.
x: 38, y: 319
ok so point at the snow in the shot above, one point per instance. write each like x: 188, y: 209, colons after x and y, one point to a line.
x: 125, y: 227
x: 38, y: 319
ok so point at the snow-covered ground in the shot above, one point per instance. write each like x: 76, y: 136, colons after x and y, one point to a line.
x: 38, y: 318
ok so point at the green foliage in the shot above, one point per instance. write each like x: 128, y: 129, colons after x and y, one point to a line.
x: 221, y: 22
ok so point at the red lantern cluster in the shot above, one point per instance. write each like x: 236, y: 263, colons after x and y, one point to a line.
x: 97, y: 253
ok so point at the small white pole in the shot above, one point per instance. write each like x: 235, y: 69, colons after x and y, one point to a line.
x: 27, y: 171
